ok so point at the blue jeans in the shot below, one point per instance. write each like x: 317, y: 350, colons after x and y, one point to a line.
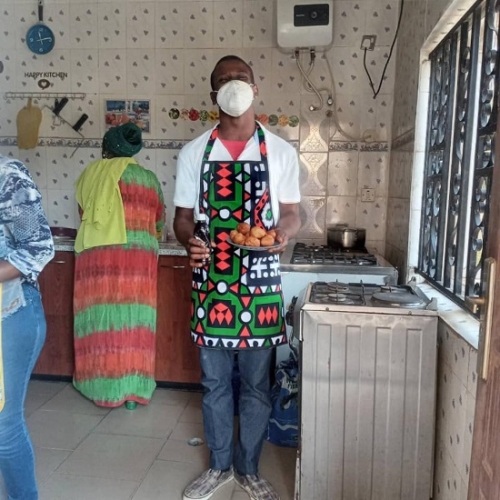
x: 218, y: 406
x: 23, y: 335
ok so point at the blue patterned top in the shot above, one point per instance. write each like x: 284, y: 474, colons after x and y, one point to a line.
x: 25, y: 238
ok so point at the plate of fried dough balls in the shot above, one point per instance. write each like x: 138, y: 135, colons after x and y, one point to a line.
x: 252, y: 238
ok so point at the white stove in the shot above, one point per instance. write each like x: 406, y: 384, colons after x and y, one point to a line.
x: 367, y: 362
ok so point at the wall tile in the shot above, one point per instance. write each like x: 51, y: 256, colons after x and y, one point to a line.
x: 348, y: 23
x: 343, y: 173
x: 111, y: 21
x: 198, y: 25
x: 140, y: 25
x: 198, y: 65
x: 313, y: 173
x: 228, y: 24
x: 169, y: 71
x: 341, y: 209
x: 258, y: 25
x: 113, y: 72
x: 373, y: 172
x: 83, y: 26
x: 312, y: 215
x: 169, y: 25
x: 166, y: 127
x: 314, y: 126
x: 85, y: 70
x: 372, y: 217
x: 61, y: 209
x: 141, y: 75
x: 36, y: 162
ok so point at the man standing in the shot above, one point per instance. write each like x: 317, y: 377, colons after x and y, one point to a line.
x: 236, y: 173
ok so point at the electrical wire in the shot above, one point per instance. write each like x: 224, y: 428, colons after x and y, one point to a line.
x: 376, y: 92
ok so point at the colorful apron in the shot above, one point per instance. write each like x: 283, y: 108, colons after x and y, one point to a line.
x: 237, y: 300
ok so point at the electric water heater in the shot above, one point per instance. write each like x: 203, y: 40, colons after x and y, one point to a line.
x: 303, y: 24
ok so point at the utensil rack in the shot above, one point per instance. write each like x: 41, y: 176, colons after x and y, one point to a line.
x: 44, y: 95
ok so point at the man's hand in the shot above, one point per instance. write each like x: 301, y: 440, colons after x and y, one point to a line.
x: 197, y: 252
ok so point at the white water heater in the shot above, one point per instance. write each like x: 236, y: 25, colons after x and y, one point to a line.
x: 304, y: 24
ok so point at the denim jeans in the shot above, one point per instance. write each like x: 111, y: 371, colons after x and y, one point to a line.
x: 218, y: 406
x: 23, y: 335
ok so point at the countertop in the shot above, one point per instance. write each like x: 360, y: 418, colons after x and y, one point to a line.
x: 166, y: 248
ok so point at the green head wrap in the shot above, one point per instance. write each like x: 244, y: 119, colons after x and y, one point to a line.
x: 124, y: 140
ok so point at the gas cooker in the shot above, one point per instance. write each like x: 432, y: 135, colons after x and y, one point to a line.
x: 368, y: 295
x: 304, y: 254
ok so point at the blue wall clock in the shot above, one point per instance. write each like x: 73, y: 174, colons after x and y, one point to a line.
x: 40, y: 38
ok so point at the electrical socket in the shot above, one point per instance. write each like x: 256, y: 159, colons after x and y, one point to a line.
x: 368, y: 194
x: 368, y: 42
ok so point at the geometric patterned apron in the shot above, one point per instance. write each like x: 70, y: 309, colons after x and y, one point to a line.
x: 237, y: 300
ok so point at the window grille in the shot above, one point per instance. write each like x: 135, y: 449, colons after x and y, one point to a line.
x: 460, y: 153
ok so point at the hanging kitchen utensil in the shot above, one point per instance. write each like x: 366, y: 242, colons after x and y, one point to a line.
x: 40, y: 38
x: 28, y: 124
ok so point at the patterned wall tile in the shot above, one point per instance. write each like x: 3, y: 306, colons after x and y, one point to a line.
x: 260, y: 61
x: 341, y: 209
x: 62, y: 207
x: 140, y: 25
x: 60, y: 171
x: 147, y: 158
x: 166, y: 127
x: 258, y: 25
x: 228, y: 24
x: 348, y: 23
x: 312, y: 215
x: 198, y: 65
x: 83, y: 26
x: 141, y: 74
x: 113, y: 71
x: 112, y: 19
x: 343, y: 173
x: 36, y: 162
x: 8, y: 77
x: 169, y: 71
x: 372, y: 217
x: 169, y: 25
x: 285, y: 75
x: 198, y: 25
x: 313, y: 173
x: 85, y: 70
x: 373, y: 172
x: 381, y: 18
x: 314, y: 125
x: 8, y: 34
x: 166, y: 162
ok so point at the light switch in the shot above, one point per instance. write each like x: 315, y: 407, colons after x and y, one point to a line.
x: 368, y: 194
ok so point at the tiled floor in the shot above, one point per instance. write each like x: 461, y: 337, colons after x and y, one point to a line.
x: 85, y: 452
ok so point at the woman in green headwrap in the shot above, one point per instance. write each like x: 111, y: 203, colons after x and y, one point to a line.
x: 116, y: 247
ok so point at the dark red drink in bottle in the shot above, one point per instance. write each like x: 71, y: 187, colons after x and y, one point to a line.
x: 202, y: 233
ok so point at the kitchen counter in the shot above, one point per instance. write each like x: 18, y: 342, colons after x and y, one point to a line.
x: 166, y: 247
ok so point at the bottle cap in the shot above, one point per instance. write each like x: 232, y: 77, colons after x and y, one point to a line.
x: 202, y: 217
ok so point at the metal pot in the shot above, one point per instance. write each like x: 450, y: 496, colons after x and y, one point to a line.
x: 346, y: 237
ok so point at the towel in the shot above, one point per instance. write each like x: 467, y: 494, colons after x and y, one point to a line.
x: 98, y: 194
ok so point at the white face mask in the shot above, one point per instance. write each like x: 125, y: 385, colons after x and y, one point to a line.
x: 235, y: 97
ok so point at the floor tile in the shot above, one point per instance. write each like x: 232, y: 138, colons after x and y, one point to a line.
x: 69, y: 399
x: 60, y: 430
x: 156, y: 421
x: 170, y: 397
x: 46, y: 387
x: 187, y: 430
x: 192, y: 414
x: 167, y: 480
x: 47, y: 461
x: 35, y: 401
x: 277, y: 465
x: 67, y: 487
x: 116, y: 457
x: 181, y: 451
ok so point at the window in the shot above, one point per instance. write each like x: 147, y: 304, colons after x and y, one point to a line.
x: 460, y: 153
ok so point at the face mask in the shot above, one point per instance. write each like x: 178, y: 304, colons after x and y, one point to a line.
x: 235, y: 97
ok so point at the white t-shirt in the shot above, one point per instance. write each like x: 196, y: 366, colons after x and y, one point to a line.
x: 282, y: 163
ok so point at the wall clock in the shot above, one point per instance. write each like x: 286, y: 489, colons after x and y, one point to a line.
x: 40, y: 38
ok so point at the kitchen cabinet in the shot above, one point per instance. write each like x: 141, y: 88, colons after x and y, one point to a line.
x: 177, y: 358
x: 56, y: 285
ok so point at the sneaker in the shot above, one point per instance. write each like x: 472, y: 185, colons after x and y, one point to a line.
x: 207, y: 484
x: 256, y: 487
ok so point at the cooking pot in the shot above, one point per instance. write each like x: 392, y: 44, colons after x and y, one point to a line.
x: 344, y: 236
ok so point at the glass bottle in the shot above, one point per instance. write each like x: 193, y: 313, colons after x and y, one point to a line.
x: 202, y: 233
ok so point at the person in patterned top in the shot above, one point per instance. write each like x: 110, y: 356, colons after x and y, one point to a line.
x: 26, y: 246
x: 236, y: 173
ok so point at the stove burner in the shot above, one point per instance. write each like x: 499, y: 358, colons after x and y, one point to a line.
x: 400, y: 298
x: 319, y: 254
x: 361, y: 294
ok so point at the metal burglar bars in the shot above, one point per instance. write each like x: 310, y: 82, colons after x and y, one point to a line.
x: 460, y: 153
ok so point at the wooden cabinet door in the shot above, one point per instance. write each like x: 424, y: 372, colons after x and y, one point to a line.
x: 177, y: 358
x: 56, y: 284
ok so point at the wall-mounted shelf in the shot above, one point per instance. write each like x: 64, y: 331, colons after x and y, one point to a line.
x: 44, y: 95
